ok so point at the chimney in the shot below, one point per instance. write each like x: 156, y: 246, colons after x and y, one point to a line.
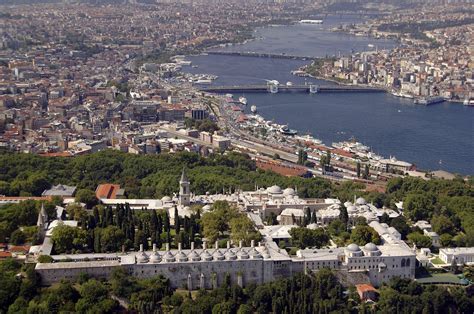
x: 192, y: 246
x: 228, y: 244
x: 179, y: 246
x: 252, y: 243
x: 141, y: 247
x: 167, y: 246
x: 217, y: 245
x: 154, y: 247
x: 240, y: 244
x: 204, y: 245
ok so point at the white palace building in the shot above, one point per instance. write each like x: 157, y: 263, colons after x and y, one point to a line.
x: 207, y: 267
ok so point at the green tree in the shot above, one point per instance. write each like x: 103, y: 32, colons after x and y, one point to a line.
x: 87, y: 197
x: 17, y: 237
x: 304, y: 237
x: 216, y: 222
x: 363, y: 234
x: 419, y: 240
x: 122, y: 284
x: 111, y: 239
x: 243, y: 229
x: 336, y: 227
x: 445, y: 239
x: 418, y: 206
x: 65, y: 238
x: 366, y: 172
x: 442, y: 224
x: 343, y: 215
x: 401, y: 225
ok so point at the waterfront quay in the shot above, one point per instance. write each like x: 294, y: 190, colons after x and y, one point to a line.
x: 274, y: 88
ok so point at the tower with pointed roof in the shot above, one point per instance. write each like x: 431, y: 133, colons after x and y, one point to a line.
x: 42, y: 222
x: 184, y: 198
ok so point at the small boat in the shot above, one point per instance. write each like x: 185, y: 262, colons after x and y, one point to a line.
x: 289, y: 83
x: 253, y: 109
x: 203, y: 82
x: 243, y: 100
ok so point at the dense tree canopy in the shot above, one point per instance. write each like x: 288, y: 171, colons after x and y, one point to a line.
x: 363, y: 234
x: 304, y: 237
x: 144, y: 175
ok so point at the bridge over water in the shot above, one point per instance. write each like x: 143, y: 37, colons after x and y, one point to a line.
x: 260, y: 55
x: 273, y: 88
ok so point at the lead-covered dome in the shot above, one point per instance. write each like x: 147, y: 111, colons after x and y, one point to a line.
x: 361, y: 201
x: 351, y: 209
x: 370, y: 247
x: 275, y: 189
x: 166, y: 199
x: 353, y: 247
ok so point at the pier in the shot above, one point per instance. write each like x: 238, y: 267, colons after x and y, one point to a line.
x: 272, y: 88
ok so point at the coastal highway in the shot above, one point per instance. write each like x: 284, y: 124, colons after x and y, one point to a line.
x: 259, y: 148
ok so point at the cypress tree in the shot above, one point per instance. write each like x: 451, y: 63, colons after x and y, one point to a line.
x: 159, y: 225
x: 166, y: 222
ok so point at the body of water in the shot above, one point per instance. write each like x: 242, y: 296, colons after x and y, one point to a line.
x: 439, y: 136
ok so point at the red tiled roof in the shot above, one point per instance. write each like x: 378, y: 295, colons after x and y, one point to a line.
x: 289, y: 171
x: 107, y: 190
x: 19, y: 248
x: 5, y: 254
x: 58, y: 154
x: 342, y: 152
x: 365, y: 287
x: 25, y: 198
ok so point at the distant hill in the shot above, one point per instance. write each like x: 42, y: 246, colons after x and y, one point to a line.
x: 3, y: 2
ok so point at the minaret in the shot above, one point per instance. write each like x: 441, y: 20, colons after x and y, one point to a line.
x: 184, y: 193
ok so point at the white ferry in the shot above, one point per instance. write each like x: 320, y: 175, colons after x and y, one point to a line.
x: 311, y: 22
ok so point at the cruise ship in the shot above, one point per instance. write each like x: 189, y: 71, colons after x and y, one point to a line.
x: 428, y: 100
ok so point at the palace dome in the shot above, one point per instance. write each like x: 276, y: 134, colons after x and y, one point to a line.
x: 275, y: 189
x: 353, y: 247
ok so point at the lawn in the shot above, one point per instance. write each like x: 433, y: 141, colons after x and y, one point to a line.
x: 437, y: 261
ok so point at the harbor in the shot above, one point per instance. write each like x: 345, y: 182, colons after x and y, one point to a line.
x: 390, y: 125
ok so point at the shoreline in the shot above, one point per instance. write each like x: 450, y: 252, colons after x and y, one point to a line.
x: 387, y: 90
